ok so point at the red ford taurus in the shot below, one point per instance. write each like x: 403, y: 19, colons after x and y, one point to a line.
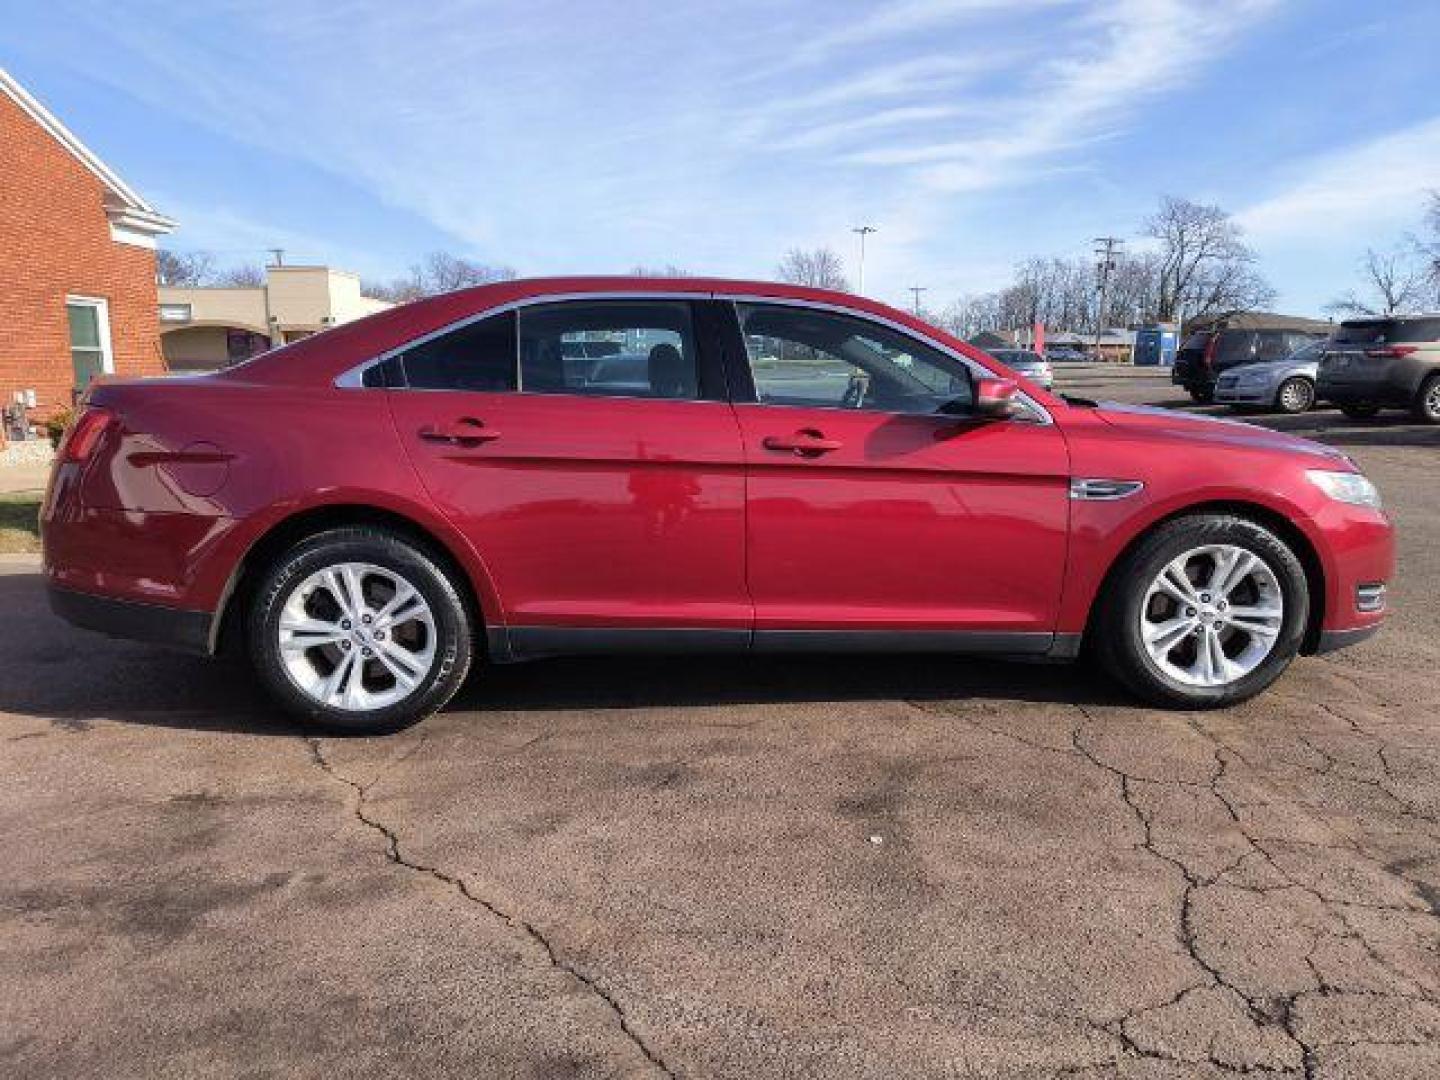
x: 598, y: 465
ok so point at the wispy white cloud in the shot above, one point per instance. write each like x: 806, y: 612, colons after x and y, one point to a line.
x: 1371, y: 186
x: 1123, y: 55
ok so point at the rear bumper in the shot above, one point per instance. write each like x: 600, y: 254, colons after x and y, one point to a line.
x: 176, y: 628
x: 1379, y: 392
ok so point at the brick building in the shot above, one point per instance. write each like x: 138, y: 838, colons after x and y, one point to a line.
x: 77, y: 262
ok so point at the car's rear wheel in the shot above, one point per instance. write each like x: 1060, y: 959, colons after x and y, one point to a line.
x: 1296, y: 395
x: 1206, y: 611
x: 1360, y: 410
x: 359, y: 630
x: 1426, y: 407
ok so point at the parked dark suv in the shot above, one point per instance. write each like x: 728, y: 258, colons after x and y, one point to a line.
x: 1204, y: 355
x: 1373, y: 363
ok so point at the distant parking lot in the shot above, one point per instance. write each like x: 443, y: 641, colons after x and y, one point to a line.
x: 869, y: 867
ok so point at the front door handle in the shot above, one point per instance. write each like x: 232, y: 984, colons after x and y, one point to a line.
x: 466, y: 431
x: 807, y: 442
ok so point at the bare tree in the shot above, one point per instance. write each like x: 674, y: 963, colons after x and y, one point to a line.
x: 439, y: 272
x: 245, y: 276
x: 820, y: 268
x: 1429, y: 249
x: 1204, y: 265
x: 183, y: 268
x: 1394, y: 282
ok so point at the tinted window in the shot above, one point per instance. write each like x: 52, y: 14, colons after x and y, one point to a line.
x: 479, y: 357
x: 1273, y: 345
x: 813, y: 358
x: 1386, y: 331
x: 1196, y: 342
x: 610, y: 348
x: 1234, y: 347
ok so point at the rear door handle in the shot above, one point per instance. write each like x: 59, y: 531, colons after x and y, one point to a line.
x: 807, y: 442
x: 463, y: 432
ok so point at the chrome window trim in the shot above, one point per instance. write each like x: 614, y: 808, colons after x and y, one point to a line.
x: 352, y: 378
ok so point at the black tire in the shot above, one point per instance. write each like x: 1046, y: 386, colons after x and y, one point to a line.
x: 1295, y: 395
x: 1119, y: 646
x: 454, y: 637
x: 1201, y: 395
x: 1426, y: 406
x: 1360, y: 410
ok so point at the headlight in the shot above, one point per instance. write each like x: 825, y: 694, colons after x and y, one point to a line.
x: 1346, y: 487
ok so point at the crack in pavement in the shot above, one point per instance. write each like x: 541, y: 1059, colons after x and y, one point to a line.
x: 458, y: 883
x: 1277, y: 1012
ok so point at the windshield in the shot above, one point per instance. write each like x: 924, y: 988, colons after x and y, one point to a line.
x: 1016, y: 357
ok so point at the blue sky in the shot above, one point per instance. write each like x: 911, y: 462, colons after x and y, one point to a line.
x: 569, y: 136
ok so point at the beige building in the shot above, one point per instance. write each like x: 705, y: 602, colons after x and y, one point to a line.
x: 204, y: 328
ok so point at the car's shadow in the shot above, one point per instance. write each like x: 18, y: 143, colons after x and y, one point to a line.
x: 70, y: 678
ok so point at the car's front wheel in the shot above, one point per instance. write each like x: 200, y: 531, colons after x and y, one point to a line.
x: 1296, y: 395
x: 1201, y: 395
x: 1205, y: 611
x: 359, y: 630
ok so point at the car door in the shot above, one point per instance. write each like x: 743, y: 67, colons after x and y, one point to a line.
x: 878, y: 503
x: 602, y: 487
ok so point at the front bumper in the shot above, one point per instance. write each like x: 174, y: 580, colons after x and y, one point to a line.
x: 176, y: 628
x: 1242, y: 394
x: 1331, y: 640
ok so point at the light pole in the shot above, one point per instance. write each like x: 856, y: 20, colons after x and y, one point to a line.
x: 862, y: 231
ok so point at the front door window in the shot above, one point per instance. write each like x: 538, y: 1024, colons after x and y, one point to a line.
x: 820, y: 359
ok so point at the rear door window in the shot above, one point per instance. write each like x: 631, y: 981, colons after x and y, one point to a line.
x: 1234, y: 347
x: 610, y: 348
x: 478, y: 357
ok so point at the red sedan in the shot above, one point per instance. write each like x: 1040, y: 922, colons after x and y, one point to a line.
x: 605, y: 465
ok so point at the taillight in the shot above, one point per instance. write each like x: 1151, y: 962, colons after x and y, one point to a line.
x: 85, y: 433
x: 1391, y: 351
x: 1210, y: 348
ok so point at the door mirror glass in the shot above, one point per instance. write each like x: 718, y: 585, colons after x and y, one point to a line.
x: 996, y: 399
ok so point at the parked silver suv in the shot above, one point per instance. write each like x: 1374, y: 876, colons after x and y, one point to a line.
x: 1370, y: 364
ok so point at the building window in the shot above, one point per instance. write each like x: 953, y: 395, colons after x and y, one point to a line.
x: 89, y: 338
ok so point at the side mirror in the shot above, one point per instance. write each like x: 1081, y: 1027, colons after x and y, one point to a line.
x: 995, y: 399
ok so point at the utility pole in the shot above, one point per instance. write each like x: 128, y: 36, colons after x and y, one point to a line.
x: 916, y: 290
x: 862, y: 231
x: 1106, y: 250
x: 279, y: 254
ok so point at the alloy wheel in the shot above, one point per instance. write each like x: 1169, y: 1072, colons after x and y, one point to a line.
x: 1212, y: 615
x: 1296, y: 396
x: 357, y: 637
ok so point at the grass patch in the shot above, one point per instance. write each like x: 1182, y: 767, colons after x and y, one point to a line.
x: 20, y: 522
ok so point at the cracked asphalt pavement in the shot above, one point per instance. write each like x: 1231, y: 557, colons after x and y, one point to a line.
x: 793, y: 867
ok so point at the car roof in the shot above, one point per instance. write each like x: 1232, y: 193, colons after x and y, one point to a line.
x: 320, y: 358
